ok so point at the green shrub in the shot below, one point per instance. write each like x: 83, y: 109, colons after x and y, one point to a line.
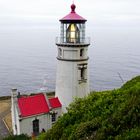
x: 17, y: 137
x: 105, y: 115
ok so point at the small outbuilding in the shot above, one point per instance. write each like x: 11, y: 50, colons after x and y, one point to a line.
x: 33, y: 114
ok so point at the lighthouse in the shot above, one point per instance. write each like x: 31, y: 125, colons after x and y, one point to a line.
x: 72, y: 78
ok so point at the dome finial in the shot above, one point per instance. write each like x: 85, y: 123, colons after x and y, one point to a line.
x: 73, y: 6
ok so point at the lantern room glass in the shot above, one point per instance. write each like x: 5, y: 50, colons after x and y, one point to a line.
x: 72, y: 32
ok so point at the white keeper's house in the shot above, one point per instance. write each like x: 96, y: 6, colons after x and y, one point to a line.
x: 35, y: 113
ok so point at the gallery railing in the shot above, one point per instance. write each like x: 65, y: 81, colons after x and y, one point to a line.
x: 72, y: 41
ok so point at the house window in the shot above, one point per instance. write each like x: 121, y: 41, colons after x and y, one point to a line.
x: 81, y: 52
x: 53, y: 117
x: 36, y: 127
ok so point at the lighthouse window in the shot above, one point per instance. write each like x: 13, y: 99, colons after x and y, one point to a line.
x: 82, y: 73
x: 81, y: 52
x: 60, y: 52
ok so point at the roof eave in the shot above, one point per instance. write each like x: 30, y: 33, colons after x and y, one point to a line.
x: 30, y: 116
x: 72, y: 21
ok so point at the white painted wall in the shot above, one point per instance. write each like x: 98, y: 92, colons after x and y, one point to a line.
x: 67, y: 77
x: 72, y: 52
x: 13, y: 109
x: 25, y: 125
x: 17, y: 121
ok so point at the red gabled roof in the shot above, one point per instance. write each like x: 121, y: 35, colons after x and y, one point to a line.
x: 54, y: 102
x: 33, y: 105
x: 73, y: 16
x: 36, y: 104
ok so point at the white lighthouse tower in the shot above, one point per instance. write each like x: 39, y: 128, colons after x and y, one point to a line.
x: 72, y: 79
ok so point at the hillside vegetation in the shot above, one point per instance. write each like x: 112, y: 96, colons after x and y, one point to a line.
x: 100, y: 116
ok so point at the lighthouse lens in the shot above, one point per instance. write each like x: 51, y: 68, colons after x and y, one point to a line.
x: 72, y: 32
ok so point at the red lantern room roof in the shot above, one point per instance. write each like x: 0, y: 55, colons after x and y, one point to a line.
x: 72, y: 16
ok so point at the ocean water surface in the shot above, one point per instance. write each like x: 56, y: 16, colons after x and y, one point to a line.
x: 28, y: 58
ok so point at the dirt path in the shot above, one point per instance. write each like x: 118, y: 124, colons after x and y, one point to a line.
x: 4, y: 110
x: 3, y: 130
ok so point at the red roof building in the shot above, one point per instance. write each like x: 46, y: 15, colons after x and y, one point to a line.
x: 36, y: 104
x: 33, y: 114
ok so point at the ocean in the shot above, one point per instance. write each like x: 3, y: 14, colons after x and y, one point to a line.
x: 28, y: 57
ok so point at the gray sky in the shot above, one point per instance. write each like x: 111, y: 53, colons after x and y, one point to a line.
x: 97, y: 11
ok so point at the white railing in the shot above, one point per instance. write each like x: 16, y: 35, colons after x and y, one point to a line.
x: 62, y: 40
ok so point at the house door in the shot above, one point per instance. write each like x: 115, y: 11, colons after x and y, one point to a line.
x: 36, y: 127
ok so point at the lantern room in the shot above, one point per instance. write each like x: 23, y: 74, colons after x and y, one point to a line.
x: 72, y: 28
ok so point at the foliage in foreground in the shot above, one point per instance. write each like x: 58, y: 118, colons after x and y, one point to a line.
x: 102, y: 115
x: 17, y: 137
